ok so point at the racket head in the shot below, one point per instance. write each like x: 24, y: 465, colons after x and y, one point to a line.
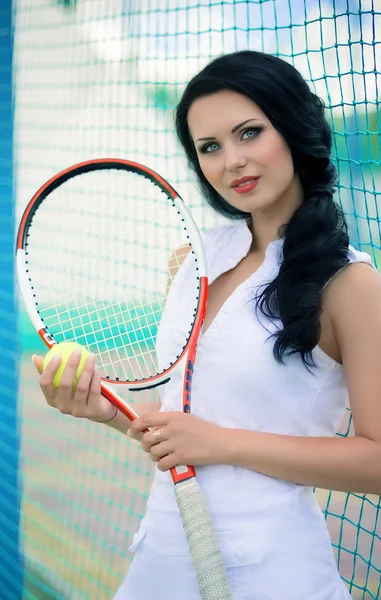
x: 99, y: 248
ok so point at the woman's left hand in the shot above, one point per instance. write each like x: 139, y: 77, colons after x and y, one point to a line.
x: 178, y: 438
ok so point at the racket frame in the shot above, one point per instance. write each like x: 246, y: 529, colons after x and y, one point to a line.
x: 185, y: 361
x: 196, y: 244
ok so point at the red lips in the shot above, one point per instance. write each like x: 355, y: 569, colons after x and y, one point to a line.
x: 243, y: 180
x: 245, y: 184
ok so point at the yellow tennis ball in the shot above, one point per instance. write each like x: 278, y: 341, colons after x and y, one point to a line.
x: 65, y: 350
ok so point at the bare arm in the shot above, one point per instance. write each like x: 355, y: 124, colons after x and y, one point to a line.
x: 353, y: 301
x: 342, y: 464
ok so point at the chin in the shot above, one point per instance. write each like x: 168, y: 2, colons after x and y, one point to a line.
x: 251, y: 206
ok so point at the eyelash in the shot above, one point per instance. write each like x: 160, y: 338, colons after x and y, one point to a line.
x: 257, y: 130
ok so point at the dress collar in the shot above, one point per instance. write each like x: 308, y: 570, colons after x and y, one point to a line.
x: 232, y: 245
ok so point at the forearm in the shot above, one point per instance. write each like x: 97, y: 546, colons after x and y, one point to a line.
x: 122, y: 424
x: 343, y: 464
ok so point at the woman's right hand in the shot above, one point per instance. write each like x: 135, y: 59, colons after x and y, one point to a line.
x: 86, y: 401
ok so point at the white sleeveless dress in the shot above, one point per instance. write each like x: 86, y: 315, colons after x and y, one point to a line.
x: 272, y: 533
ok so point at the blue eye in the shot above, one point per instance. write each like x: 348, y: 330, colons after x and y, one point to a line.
x: 211, y: 147
x: 252, y: 132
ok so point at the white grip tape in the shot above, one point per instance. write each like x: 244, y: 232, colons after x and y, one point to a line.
x: 206, y: 555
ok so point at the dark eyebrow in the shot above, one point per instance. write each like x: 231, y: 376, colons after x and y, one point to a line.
x: 232, y: 131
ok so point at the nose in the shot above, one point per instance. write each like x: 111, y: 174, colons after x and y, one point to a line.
x: 234, y: 158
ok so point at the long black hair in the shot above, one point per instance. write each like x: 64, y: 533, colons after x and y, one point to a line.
x: 316, y: 238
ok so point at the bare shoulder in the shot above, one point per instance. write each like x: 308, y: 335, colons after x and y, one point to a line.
x: 353, y: 301
x: 177, y: 258
x: 175, y: 261
x: 354, y: 290
x: 349, y: 302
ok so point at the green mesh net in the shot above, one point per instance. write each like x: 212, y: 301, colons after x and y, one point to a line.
x: 97, y: 78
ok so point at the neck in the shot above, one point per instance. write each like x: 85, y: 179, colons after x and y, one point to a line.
x: 263, y: 235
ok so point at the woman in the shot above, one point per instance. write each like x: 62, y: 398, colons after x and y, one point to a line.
x: 293, y: 328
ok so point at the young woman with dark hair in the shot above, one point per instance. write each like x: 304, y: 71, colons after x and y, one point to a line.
x: 292, y: 331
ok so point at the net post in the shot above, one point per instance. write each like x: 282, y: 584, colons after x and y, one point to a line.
x: 11, y: 562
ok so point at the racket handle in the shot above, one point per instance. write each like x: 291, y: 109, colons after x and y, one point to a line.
x: 203, y: 545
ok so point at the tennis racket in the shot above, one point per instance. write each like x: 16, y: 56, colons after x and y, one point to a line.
x: 99, y: 247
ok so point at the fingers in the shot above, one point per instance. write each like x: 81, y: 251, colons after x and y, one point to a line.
x: 46, y: 379
x: 63, y: 397
x: 158, y: 447
x: 82, y: 391
x: 158, y: 451
x: 95, y: 388
x: 38, y: 362
x: 148, y: 420
x: 69, y: 373
x: 133, y: 435
x: 167, y: 462
x: 99, y: 408
x: 86, y: 400
x: 153, y: 438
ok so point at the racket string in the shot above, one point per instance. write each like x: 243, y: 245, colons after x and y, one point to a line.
x: 103, y: 252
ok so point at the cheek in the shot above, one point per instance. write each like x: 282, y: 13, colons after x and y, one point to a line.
x: 279, y: 166
x: 279, y: 156
x: 210, y: 171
